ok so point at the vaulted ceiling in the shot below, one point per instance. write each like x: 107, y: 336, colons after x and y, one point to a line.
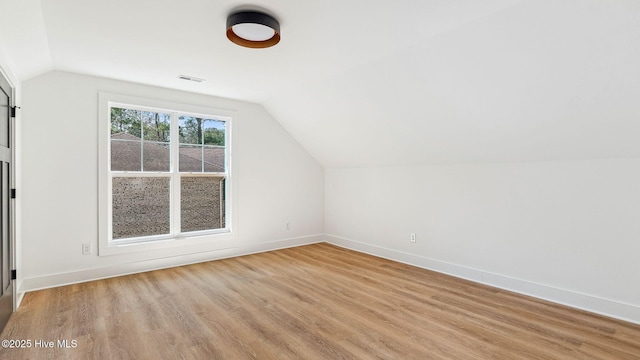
x: 374, y: 83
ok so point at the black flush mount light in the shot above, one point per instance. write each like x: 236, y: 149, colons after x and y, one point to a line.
x: 253, y: 29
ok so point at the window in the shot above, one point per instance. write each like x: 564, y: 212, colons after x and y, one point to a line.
x: 167, y: 173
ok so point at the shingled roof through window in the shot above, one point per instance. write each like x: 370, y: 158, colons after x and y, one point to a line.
x: 125, y: 155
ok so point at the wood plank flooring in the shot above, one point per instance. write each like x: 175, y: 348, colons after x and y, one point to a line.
x: 310, y: 302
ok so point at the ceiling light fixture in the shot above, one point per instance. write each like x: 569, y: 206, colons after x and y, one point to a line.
x: 253, y: 29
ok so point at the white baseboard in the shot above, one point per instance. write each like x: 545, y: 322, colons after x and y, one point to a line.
x: 55, y: 280
x: 610, y: 308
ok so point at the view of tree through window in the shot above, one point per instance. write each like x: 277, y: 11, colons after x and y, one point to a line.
x: 155, y: 126
x: 141, y: 144
x: 194, y: 130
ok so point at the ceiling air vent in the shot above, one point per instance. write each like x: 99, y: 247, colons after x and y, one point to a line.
x: 190, y: 78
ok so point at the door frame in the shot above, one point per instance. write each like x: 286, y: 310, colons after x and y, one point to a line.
x: 6, y: 80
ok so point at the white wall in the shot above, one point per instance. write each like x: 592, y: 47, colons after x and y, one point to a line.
x: 564, y: 231
x: 278, y: 182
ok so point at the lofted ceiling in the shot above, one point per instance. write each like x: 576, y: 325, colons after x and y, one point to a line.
x: 374, y: 83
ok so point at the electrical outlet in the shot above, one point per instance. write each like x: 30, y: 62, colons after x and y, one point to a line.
x: 86, y: 249
x: 412, y: 238
x: 287, y: 226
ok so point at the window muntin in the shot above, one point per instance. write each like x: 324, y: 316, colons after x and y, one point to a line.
x: 156, y: 195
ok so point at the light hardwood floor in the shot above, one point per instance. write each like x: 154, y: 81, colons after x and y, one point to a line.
x: 310, y: 302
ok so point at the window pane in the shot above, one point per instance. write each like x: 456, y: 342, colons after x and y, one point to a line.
x: 140, y: 206
x: 201, y: 203
x: 190, y: 158
x: 126, y: 121
x: 125, y: 153
x: 214, y: 159
x: 214, y: 131
x: 125, y: 140
x: 190, y: 130
x: 156, y: 156
x: 156, y: 126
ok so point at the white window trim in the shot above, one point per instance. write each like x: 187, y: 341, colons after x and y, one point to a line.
x: 108, y: 247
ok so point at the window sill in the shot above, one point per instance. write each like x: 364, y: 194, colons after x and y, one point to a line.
x: 194, y: 239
